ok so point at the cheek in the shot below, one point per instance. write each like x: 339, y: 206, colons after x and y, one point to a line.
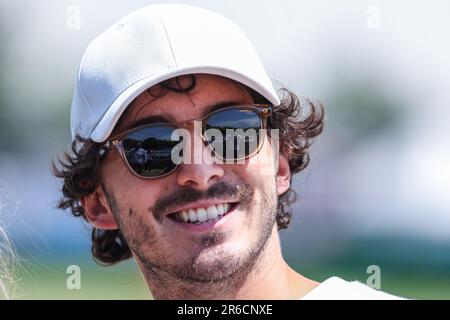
x: 115, y: 171
x: 128, y: 187
x: 262, y: 163
x: 258, y: 171
x: 140, y: 194
x: 135, y: 193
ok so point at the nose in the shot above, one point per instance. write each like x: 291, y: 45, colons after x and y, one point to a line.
x: 202, y: 171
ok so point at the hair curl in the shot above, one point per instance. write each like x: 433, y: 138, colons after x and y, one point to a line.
x: 79, y: 167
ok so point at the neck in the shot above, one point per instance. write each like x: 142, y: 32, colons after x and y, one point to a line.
x: 270, y: 277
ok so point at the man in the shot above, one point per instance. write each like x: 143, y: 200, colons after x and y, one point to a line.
x: 206, y: 227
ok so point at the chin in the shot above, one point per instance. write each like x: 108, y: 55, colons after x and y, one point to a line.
x: 218, y: 262
x: 215, y: 268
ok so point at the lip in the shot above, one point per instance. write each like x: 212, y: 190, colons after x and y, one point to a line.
x: 200, y: 204
x: 210, y: 225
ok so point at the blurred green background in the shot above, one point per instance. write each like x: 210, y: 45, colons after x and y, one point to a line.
x: 377, y: 190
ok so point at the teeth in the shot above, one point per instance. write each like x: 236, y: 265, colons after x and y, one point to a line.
x: 212, y: 212
x: 201, y: 215
x: 192, y: 215
x: 220, y: 209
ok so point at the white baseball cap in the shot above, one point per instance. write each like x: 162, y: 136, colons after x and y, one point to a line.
x: 153, y: 44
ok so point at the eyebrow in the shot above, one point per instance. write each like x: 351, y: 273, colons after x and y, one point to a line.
x: 167, y: 118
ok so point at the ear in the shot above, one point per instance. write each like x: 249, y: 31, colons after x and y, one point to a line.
x: 97, y: 210
x: 283, y: 174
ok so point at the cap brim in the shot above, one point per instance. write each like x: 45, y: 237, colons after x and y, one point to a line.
x: 109, y: 120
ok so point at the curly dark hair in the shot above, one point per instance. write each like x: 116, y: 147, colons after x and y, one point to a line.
x: 79, y: 167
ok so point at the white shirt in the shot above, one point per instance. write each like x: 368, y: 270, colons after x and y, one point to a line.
x: 335, y: 288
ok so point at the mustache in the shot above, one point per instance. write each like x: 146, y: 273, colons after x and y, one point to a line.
x: 241, y: 192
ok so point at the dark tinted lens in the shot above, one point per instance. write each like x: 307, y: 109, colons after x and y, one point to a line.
x: 233, y: 133
x: 148, y: 150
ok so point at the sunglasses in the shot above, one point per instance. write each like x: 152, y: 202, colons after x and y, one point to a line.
x: 148, y: 150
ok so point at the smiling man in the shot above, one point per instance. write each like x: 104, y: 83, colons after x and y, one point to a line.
x: 203, y: 228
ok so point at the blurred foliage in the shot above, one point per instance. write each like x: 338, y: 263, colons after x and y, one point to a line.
x: 10, y: 130
x: 363, y: 109
x: 46, y: 279
x: 410, y: 267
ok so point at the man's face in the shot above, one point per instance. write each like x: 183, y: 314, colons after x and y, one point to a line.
x: 143, y: 208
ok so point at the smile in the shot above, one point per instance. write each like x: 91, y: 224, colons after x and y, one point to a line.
x: 205, y: 215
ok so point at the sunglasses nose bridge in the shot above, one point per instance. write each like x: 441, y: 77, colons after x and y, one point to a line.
x: 190, y: 123
x: 196, y: 143
x: 193, y: 126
